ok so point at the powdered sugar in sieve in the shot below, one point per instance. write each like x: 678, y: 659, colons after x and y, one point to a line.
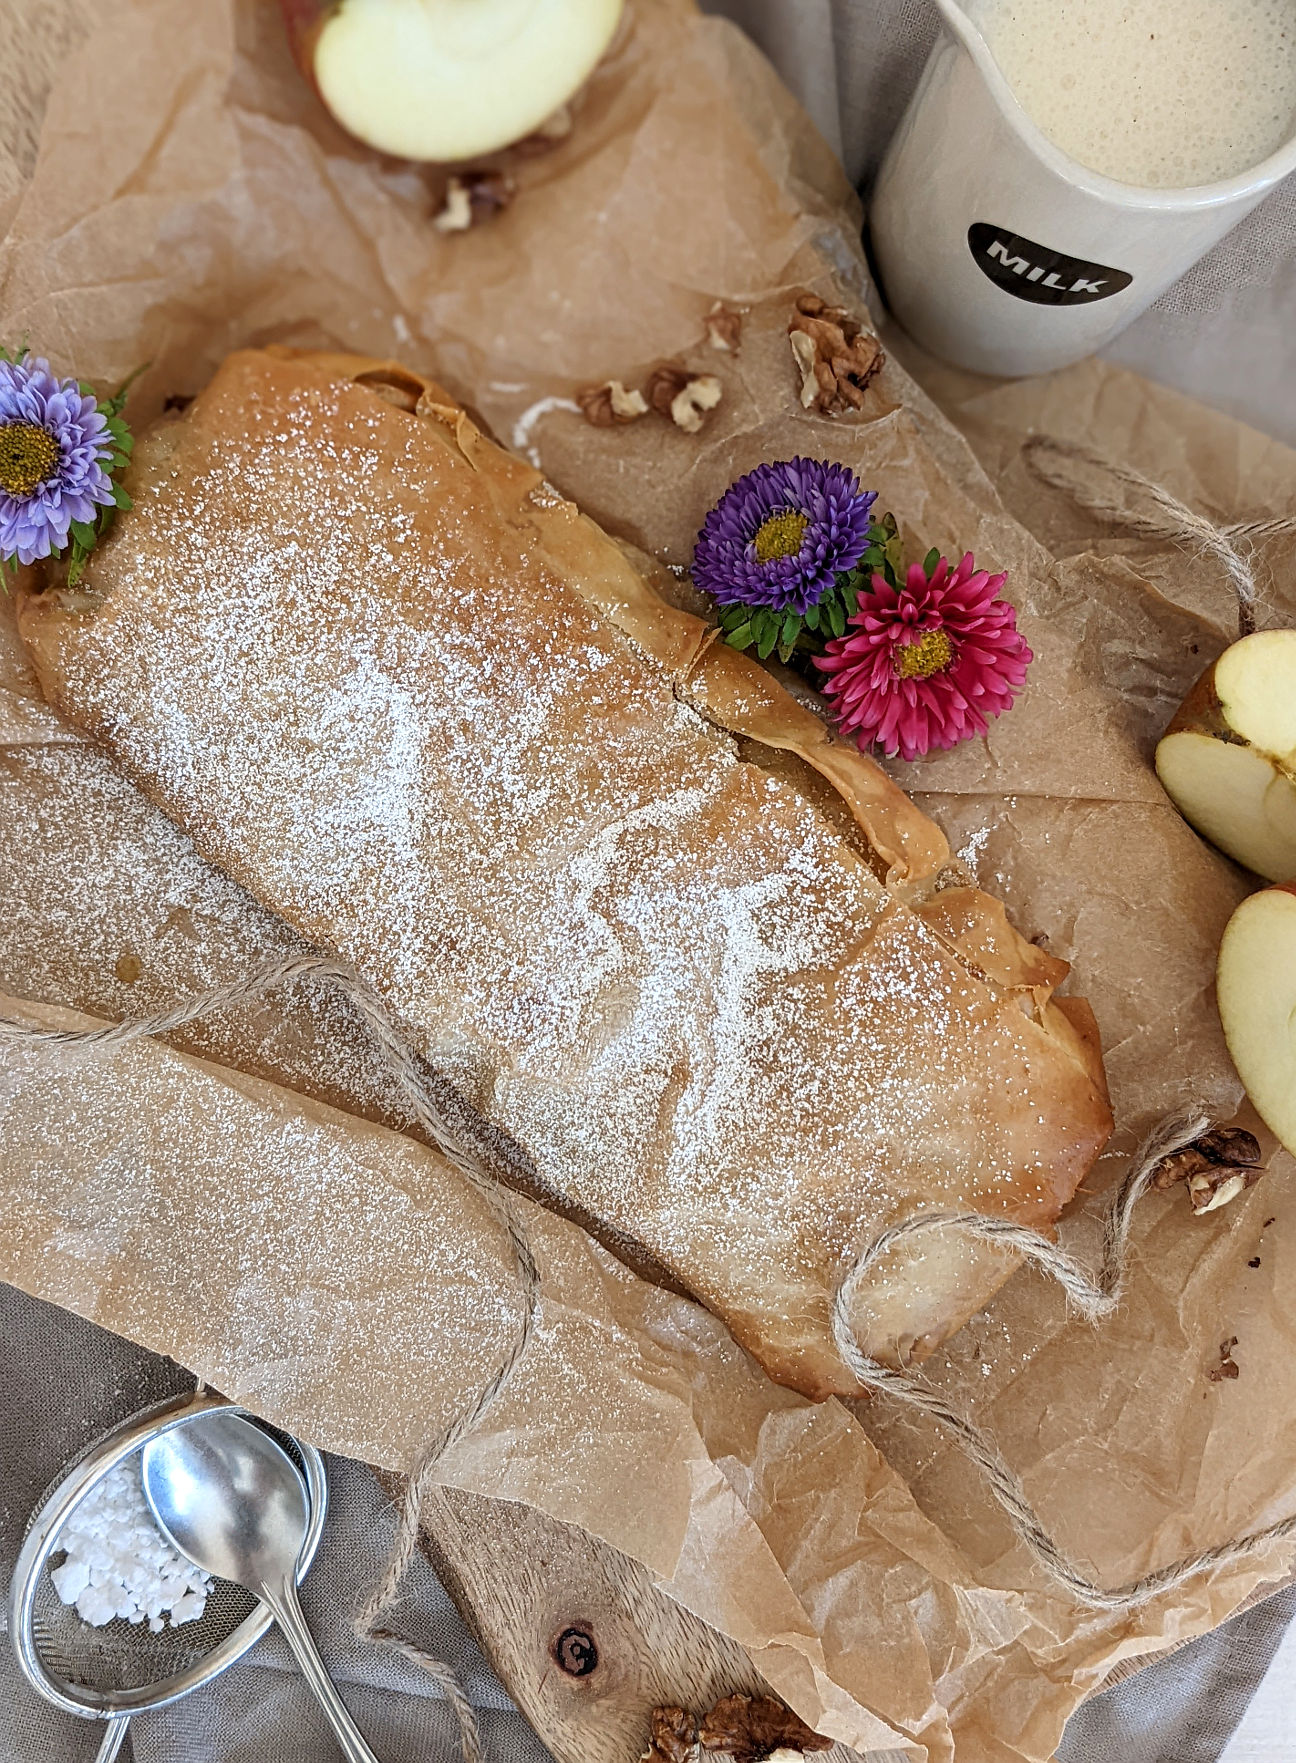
x: 118, y: 1564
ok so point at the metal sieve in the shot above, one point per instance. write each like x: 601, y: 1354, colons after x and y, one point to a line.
x: 122, y: 1669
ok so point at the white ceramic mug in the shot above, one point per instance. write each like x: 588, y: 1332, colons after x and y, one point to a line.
x: 1000, y: 253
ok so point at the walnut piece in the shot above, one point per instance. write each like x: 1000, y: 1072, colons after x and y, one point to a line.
x: 683, y: 396
x: 674, y: 1736
x: 610, y: 403
x: 1228, y: 1366
x: 755, y: 1729
x: 665, y: 385
x: 1217, y: 1167
x: 724, y: 328
x: 836, y: 356
x: 471, y: 197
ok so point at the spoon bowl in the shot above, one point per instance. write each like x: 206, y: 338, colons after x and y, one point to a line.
x: 231, y: 1499
x: 228, y: 1496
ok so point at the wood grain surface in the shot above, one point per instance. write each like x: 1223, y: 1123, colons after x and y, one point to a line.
x: 582, y: 1637
x: 585, y: 1643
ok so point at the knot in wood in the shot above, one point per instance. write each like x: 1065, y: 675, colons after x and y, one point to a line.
x: 576, y: 1652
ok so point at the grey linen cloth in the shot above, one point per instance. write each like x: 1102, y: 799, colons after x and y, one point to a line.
x: 1225, y: 335
x: 63, y: 1382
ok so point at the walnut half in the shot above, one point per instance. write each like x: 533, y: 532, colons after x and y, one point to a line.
x: 610, y: 403
x: 1217, y: 1167
x: 756, y: 1729
x: 724, y: 328
x: 674, y: 1737
x: 836, y: 356
x: 471, y: 197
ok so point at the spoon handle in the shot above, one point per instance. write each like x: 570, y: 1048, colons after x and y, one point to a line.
x: 113, y: 1739
x: 282, y: 1600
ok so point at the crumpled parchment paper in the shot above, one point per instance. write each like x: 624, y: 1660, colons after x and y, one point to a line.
x: 854, y: 1554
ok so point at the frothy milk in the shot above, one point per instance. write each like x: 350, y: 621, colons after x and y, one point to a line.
x: 1164, y: 93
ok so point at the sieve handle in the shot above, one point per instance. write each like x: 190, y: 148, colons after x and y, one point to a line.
x: 113, y: 1739
x: 282, y: 1599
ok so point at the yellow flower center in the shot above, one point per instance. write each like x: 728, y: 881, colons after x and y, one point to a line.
x: 780, y: 536
x: 932, y: 653
x: 28, y: 455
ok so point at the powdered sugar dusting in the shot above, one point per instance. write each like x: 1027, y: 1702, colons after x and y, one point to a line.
x: 363, y: 686
x: 306, y: 1263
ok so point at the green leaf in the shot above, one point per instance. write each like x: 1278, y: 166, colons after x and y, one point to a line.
x: 121, y: 498
x: 767, y: 641
x: 930, y: 561
x: 83, y: 531
x: 837, y: 618
x: 791, y: 628
x: 812, y: 618
x: 742, y: 638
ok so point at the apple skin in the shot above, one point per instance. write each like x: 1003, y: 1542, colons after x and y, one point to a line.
x: 1201, y: 711
x: 1235, y: 791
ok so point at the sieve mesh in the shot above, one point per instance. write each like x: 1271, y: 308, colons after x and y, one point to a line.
x: 123, y: 1655
x: 126, y: 1655
x: 125, y: 1666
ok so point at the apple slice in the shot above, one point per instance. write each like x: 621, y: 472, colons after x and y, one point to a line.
x: 1256, y: 987
x: 1228, y: 760
x: 447, y: 79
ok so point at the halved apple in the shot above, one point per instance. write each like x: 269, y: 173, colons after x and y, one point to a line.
x: 447, y: 79
x: 1228, y: 760
x: 1256, y: 986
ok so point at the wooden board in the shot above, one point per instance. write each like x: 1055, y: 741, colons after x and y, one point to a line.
x: 581, y: 1636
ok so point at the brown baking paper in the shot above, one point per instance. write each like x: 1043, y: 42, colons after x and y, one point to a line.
x: 880, y: 1593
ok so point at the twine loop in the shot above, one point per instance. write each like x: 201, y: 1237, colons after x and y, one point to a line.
x: 1160, y: 516
x: 1092, y: 1296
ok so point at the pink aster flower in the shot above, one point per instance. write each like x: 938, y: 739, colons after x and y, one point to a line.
x: 926, y: 665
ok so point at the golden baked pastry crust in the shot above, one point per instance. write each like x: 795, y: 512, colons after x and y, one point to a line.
x: 708, y: 966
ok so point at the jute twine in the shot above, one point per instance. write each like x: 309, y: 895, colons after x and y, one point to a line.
x: 1157, y: 515
x: 1092, y: 1296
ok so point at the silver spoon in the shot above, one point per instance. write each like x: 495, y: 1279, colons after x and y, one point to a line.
x: 230, y: 1498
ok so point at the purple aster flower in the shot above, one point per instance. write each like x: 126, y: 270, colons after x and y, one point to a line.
x: 780, y: 536
x: 52, y: 439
